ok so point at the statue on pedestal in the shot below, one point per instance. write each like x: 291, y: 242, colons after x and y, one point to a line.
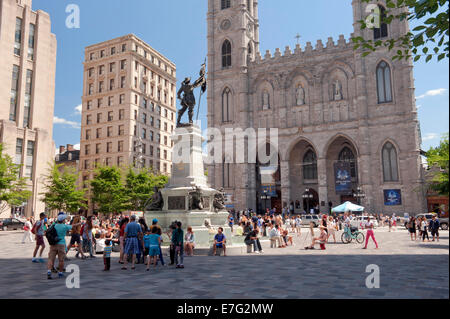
x: 157, y: 201
x: 188, y: 99
x: 196, y: 199
x: 219, y: 201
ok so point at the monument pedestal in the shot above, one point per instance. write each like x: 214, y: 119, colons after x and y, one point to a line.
x: 187, y: 176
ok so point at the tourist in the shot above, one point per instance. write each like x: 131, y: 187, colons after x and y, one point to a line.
x: 189, y: 242
x: 412, y: 228
x: 389, y: 221
x: 75, y: 237
x: 252, y: 239
x: 39, y: 229
x: 159, y: 232
x: 275, y: 235
x: 298, y: 225
x: 146, y: 241
x: 287, y: 223
x: 88, y: 238
x: 240, y: 230
x: 324, y: 222
x: 107, y: 255
x: 369, y: 226
x: 322, y: 239
x: 293, y: 224
x: 220, y: 241
x: 286, y: 237
x: 332, y: 227
x: 154, y: 243
x: 231, y: 221
x: 434, y: 227
x: 132, y: 235
x: 122, y: 224
x: 59, y: 248
x: 394, y: 222
x: 177, y: 242
x: 27, y: 231
x: 140, y: 254
x: 424, y: 229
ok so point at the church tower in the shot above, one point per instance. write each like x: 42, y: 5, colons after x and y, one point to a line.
x: 233, y: 41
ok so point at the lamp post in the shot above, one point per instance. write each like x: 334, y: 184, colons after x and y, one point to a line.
x: 359, y: 194
x: 307, y: 196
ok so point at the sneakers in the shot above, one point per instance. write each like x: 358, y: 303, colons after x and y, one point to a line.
x: 60, y: 275
x: 34, y: 260
x: 49, y: 275
x: 41, y: 260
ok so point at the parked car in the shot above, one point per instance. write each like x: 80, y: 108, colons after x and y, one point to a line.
x: 306, y: 219
x: 444, y: 223
x: 11, y: 224
x: 359, y: 222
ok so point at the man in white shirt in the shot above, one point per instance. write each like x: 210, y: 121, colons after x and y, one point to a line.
x: 275, y: 235
x: 27, y: 232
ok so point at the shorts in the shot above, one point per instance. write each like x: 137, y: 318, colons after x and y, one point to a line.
x: 154, y: 251
x: 132, y: 246
x: 75, y: 239
x: 219, y: 245
x: 412, y: 230
x: 40, y: 240
x: 435, y: 232
x: 146, y: 251
x: 57, y: 250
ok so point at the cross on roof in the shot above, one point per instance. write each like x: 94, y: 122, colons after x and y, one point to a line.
x: 298, y: 38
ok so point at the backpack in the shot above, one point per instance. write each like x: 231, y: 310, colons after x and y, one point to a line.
x: 35, y: 228
x: 52, y: 235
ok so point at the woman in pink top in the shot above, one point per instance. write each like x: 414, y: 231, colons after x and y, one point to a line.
x: 369, y: 227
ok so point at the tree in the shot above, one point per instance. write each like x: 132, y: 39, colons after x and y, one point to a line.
x: 13, y: 189
x: 139, y: 187
x: 439, y: 157
x: 108, y: 190
x: 61, y: 190
x: 428, y: 39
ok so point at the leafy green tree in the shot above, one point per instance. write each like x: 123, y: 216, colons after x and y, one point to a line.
x: 13, y: 189
x: 439, y: 157
x: 139, y: 187
x: 108, y: 190
x: 430, y: 38
x: 61, y: 190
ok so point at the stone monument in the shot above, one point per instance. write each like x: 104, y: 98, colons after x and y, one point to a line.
x: 187, y: 197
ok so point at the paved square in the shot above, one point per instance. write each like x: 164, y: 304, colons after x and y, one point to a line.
x: 412, y: 270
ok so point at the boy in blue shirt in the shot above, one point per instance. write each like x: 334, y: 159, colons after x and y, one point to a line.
x: 107, y: 255
x: 220, y: 241
x: 154, y: 242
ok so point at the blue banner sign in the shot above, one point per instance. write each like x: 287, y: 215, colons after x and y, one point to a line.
x: 392, y: 197
x: 269, y: 190
x: 343, y: 178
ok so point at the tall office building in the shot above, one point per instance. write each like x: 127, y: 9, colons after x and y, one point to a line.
x: 27, y: 74
x: 129, y: 109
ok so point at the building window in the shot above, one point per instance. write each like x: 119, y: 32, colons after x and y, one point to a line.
x: 110, y: 116
x: 88, y: 135
x: 346, y: 155
x: 31, y: 41
x: 121, y: 98
x: 29, y: 160
x: 124, y: 47
x: 18, y: 36
x: 97, y: 148
x: 19, y: 150
x: 111, y: 84
x: 89, y: 105
x: 151, y: 150
x: 86, y: 164
x: 121, y: 130
x: 91, y: 89
x: 225, y: 174
x: 225, y: 4
x: 144, y: 133
x: 87, y: 149
x: 108, y: 161
x: 382, y: 31
x: 99, y: 103
x: 165, y: 154
x: 101, y: 86
x: 108, y: 147
x: 123, y: 64
x: 122, y: 82
x: 110, y: 100
x: 109, y: 131
x: 88, y: 119
x: 384, y: 87
x: 226, y: 54
x: 99, y: 117
x: 226, y: 99
x: 113, y: 50
x: 14, y: 88
x: 390, y: 168
x: 121, y: 114
x: 98, y: 133
x: 27, y: 102
x: 310, y: 165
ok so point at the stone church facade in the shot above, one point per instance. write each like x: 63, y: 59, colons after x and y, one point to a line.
x: 330, y: 105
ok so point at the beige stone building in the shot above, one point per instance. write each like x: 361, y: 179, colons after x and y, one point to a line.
x: 129, y: 109
x: 27, y: 73
x: 335, y: 111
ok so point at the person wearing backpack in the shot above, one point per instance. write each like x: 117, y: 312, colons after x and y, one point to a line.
x: 38, y: 231
x: 56, y: 236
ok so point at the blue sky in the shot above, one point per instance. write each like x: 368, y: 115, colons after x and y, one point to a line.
x: 177, y: 29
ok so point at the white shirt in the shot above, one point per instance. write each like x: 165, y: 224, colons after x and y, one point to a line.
x: 368, y: 224
x: 274, y: 233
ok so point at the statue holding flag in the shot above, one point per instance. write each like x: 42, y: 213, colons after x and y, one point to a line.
x: 188, y: 99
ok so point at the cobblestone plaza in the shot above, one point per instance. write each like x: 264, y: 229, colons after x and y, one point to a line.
x: 408, y: 270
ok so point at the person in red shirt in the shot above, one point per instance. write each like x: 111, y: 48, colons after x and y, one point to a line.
x: 122, y: 225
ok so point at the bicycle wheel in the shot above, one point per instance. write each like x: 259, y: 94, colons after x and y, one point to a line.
x: 360, y: 238
x: 346, y: 238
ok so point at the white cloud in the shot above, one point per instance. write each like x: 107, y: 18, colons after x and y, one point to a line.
x: 431, y: 93
x: 430, y: 137
x: 57, y: 120
x: 78, y: 109
x: 76, y: 146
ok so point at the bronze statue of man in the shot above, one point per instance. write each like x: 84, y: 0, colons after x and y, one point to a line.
x: 188, y: 99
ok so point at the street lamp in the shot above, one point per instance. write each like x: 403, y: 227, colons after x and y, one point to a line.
x: 359, y: 194
x: 307, y: 196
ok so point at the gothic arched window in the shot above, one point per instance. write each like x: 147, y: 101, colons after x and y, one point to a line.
x: 226, y: 175
x: 382, y: 31
x: 346, y: 155
x: 226, y: 105
x: 226, y: 54
x: 225, y: 4
x: 310, y: 165
x: 384, y: 87
x: 390, y: 167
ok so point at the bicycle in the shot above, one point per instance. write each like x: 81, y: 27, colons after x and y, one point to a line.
x: 351, y: 234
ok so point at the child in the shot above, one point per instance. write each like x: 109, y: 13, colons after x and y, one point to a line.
x: 146, y: 241
x: 177, y: 242
x: 154, y: 245
x: 107, y: 255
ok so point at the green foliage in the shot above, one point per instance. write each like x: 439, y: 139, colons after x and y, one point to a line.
x: 139, y: 187
x: 13, y: 189
x: 61, y: 190
x: 439, y: 157
x: 108, y: 190
x: 429, y: 39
